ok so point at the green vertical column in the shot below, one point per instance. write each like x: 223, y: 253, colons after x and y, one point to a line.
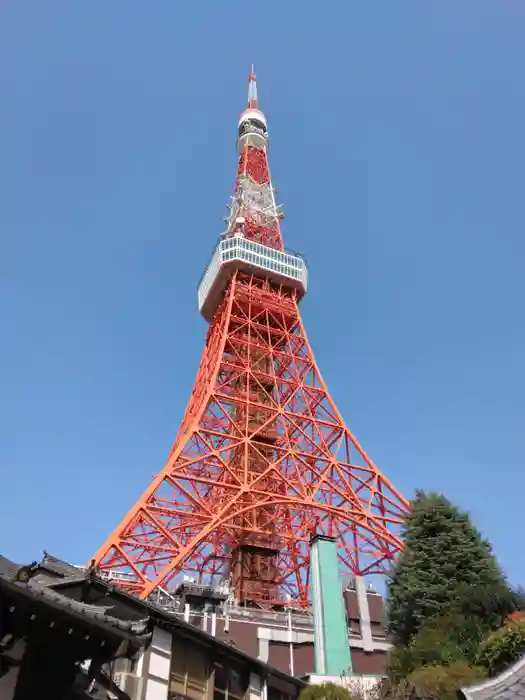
x: 332, y: 652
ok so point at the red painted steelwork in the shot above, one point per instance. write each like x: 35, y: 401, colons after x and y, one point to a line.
x: 262, y: 458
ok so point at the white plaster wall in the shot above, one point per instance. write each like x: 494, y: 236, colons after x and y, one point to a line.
x: 161, y: 640
x: 159, y: 666
x: 155, y: 690
x: 254, y: 691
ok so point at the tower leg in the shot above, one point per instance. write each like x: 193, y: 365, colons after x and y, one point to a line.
x: 262, y: 455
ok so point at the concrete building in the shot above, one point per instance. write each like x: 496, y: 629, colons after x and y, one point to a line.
x: 285, y: 639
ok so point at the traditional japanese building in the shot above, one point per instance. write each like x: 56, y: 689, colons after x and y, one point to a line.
x: 66, y: 633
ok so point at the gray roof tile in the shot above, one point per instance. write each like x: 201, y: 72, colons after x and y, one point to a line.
x: 41, y: 585
x: 8, y: 569
x: 509, y: 685
x: 57, y: 566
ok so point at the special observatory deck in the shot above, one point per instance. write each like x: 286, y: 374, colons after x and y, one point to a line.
x: 238, y: 253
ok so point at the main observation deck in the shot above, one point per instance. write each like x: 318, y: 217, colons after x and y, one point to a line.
x: 238, y: 253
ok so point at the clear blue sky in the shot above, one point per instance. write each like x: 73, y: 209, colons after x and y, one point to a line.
x: 397, y: 143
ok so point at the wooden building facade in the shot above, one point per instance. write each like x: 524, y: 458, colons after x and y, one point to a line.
x: 66, y: 634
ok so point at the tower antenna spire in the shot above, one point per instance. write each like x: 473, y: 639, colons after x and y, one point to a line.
x: 253, y: 102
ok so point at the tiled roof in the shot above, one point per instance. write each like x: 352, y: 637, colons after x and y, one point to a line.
x: 509, y: 685
x: 49, y: 587
x: 96, y: 612
x: 59, y: 567
x: 41, y: 586
x: 8, y: 569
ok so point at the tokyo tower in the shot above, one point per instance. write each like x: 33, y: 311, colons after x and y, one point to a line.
x: 262, y: 459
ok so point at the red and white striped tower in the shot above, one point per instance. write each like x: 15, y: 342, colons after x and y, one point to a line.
x: 262, y: 457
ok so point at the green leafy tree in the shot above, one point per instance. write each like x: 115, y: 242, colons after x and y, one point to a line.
x: 438, y: 642
x: 446, y: 569
x: 443, y: 682
x: 325, y: 691
x: 432, y: 682
x: 442, y: 641
x: 502, y: 648
x: 479, y: 611
x: 492, y: 602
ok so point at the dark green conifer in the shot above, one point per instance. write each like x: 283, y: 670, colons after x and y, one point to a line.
x: 444, y: 559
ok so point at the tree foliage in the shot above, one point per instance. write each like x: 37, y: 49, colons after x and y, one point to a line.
x: 445, y: 570
x: 443, y: 641
x: 502, y: 648
x: 325, y: 691
x: 472, y: 614
x: 439, y: 682
x: 446, y: 596
x: 432, y: 682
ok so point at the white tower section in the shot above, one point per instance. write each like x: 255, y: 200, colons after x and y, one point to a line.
x: 235, y: 252
x: 253, y: 129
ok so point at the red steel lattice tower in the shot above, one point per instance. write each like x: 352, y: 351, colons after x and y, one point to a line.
x: 262, y: 457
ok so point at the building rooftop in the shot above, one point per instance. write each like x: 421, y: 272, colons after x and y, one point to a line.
x: 509, y: 685
x: 82, y: 593
x: 43, y: 581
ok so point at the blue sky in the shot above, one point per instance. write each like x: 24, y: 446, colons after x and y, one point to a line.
x: 397, y: 144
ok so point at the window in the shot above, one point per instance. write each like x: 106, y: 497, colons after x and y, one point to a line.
x: 189, y: 670
x: 274, y: 694
x: 230, y: 683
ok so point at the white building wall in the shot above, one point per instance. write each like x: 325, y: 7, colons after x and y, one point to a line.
x: 254, y: 690
x: 158, y: 670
